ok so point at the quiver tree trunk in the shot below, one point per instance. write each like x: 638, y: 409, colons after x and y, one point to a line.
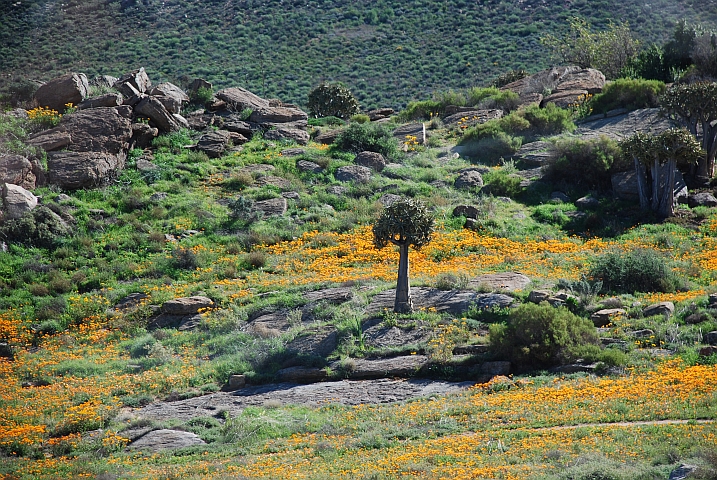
x: 663, y: 188
x: 643, y: 190
x: 403, y: 303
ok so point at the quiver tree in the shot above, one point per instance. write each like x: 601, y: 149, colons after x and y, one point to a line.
x: 406, y: 222
x: 661, y: 154
x: 695, y: 107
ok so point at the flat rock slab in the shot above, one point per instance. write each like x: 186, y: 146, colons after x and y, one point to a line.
x: 646, y: 120
x: 508, y: 281
x: 158, y: 440
x: 453, y: 301
x: 382, y: 336
x: 344, y: 392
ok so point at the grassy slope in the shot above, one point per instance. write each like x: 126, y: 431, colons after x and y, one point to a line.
x: 386, y: 52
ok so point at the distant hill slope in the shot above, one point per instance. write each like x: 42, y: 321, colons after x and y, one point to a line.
x: 386, y: 52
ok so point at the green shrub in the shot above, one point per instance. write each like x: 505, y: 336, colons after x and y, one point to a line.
x: 491, y: 97
x: 509, y: 77
x: 585, y: 163
x: 549, y: 120
x: 489, y: 144
x: 639, y: 270
x: 174, y: 142
x: 202, y: 95
x: 326, y: 121
x: 424, y: 109
x: 141, y: 346
x: 628, y: 93
x: 539, y: 336
x: 553, y: 214
x: 332, y: 99
x: 360, y: 118
x: 41, y: 228
x: 372, y: 137
x: 502, y: 184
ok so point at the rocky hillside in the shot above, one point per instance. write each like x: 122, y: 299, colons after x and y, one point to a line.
x: 387, y: 53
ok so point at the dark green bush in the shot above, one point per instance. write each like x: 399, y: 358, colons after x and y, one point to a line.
x: 549, y: 120
x: 502, y: 184
x: 628, y: 93
x: 40, y: 228
x: 372, y: 137
x: 332, y: 100
x: 586, y: 163
x: 424, y: 109
x: 639, y: 270
x: 539, y: 336
x: 509, y: 77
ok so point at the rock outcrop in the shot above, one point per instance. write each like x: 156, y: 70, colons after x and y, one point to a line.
x: 57, y: 93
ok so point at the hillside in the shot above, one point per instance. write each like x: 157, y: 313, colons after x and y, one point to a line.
x: 387, y: 53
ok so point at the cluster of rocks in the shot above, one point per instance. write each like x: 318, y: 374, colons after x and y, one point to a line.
x: 561, y: 86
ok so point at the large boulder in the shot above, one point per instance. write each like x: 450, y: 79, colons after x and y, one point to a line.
x: 100, y: 129
x: 353, y: 173
x: 535, y: 154
x: 17, y: 170
x: 152, y: 108
x: 214, y: 144
x: 165, y: 439
x: 105, y: 100
x: 469, y: 179
x: 187, y: 305
x: 545, y: 80
x: 16, y: 201
x: 373, y: 160
x: 239, y: 99
x: 170, y: 90
x: 292, y: 134
x: 703, y: 199
x: 272, y: 206
x: 142, y: 135
x: 280, y: 114
x: 57, y: 93
x: 49, y: 140
x: 619, y: 127
x: 75, y: 170
x: 137, y: 80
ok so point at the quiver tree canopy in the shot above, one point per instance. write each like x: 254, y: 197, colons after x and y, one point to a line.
x: 406, y: 222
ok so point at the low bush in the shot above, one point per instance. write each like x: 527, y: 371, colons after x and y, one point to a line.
x: 585, y: 163
x: 332, y: 99
x: 40, y: 228
x: 372, y: 137
x: 509, y: 77
x: 628, y: 93
x: 502, y: 184
x: 539, y: 336
x: 639, y: 270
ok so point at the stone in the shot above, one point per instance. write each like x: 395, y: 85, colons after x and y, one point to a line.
x: 353, y: 173
x: 165, y: 439
x: 291, y: 195
x: 535, y: 154
x: 495, y: 368
x: 560, y: 196
x: 240, y: 99
x: 280, y: 182
x: 539, y: 296
x: 388, y: 199
x: 683, y: 472
x: 104, y: 81
x: 588, y: 79
x: 545, y: 80
x: 321, y: 341
x: 708, y: 351
x: 643, y: 333
x: 302, y: 375
x: 187, y: 305
x: 662, y: 308
x: 647, y: 120
x: 703, y: 199
x: 214, y: 143
x: 57, y: 93
x: 142, y: 135
x: 100, y: 129
x: 105, y: 100
x: 334, y: 296
x: 508, y: 281
x: 472, y: 117
x: 239, y: 126
x: 158, y: 114
x: 454, y: 302
x: 267, y: 114
x: 469, y: 179
x: 604, y: 317
x: 172, y: 104
x: 404, y: 367
x: 587, y: 202
x: 17, y: 170
x: 414, y: 131
x: 373, y: 160
x: 380, y: 113
x: 307, y: 166
x: 136, y: 79
x: 131, y: 301
x: 236, y: 382
x: 16, y: 201
x: 291, y: 134
x: 272, y: 206
x: 50, y: 140
x: 293, y: 152
x: 237, y: 139
x: 170, y: 90
x: 327, y: 138
x: 75, y: 170
x: 198, y: 83
x: 467, y: 211
x: 564, y: 98
x: 336, y: 190
x: 710, y: 338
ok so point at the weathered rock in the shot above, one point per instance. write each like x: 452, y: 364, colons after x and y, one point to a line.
x: 17, y: 170
x: 74, y: 170
x: 564, y: 98
x: 137, y: 79
x: 170, y: 90
x: 104, y: 81
x: 198, y: 83
x: 469, y: 179
x: 536, y: 154
x: 388, y: 199
x: 131, y: 301
x: 328, y: 137
x: 545, y: 80
x: 373, y: 160
x: 272, y: 206
x: 105, y: 100
x: 239, y: 99
x: 336, y: 190
x: 143, y: 135
x: 624, y: 186
x: 258, y: 168
x: 187, y: 305
x: 214, y: 143
x: 452, y: 301
x: 683, y: 472
x: 710, y: 338
x: 587, y: 202
x: 321, y: 341
x: 293, y: 152
x: 560, y: 197
x: 267, y: 114
x: 588, y: 79
x: 239, y: 126
x: 508, y: 281
x: 49, y: 140
x: 467, y: 211
x: 703, y: 199
x: 353, y: 173
x: 380, y: 113
x: 236, y: 382
x: 473, y: 117
x: 411, y: 132
x: 158, y: 114
x: 307, y: 166
x: 662, y: 308
x: 16, y: 201
x: 302, y: 375
x: 405, y: 367
x: 99, y: 129
x: 292, y: 195
x: 292, y: 134
x: 708, y: 351
x: 158, y: 440
x: 57, y: 93
x: 604, y: 317
x: 643, y: 333
x: 648, y: 120
x: 183, y: 123
x: 275, y: 181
